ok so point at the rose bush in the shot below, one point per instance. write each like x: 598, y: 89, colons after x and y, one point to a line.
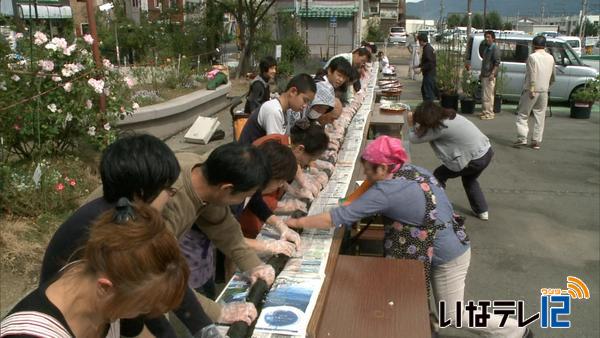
x: 49, y: 96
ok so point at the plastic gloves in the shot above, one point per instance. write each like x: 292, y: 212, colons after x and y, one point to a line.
x: 288, y: 206
x: 210, y: 331
x: 288, y: 234
x: 264, y: 272
x: 238, y: 311
x: 278, y: 247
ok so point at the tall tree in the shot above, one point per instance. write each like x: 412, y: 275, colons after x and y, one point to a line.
x: 493, y: 21
x: 248, y: 15
x: 453, y: 20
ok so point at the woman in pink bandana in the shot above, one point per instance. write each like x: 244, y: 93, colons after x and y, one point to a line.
x: 419, y: 224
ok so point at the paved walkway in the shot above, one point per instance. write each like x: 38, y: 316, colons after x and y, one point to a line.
x: 544, y: 214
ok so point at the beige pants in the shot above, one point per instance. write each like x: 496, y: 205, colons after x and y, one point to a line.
x: 487, y: 98
x: 538, y: 105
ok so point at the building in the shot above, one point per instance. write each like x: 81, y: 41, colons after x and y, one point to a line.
x: 329, y: 27
x: 392, y: 13
x: 54, y: 15
x: 567, y: 24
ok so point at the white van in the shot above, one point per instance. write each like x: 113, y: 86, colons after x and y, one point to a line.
x: 574, y: 42
x: 571, y: 73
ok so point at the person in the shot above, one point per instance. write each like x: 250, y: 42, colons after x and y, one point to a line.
x: 358, y: 58
x: 130, y: 266
x: 197, y: 248
x: 489, y: 71
x: 307, y: 142
x: 206, y: 188
x: 273, y: 116
x: 384, y: 63
x: 419, y: 224
x: 143, y: 167
x: 427, y: 67
x: 260, y: 91
x: 325, y: 108
x: 539, y: 76
x: 135, y: 166
x: 412, y: 45
x: 463, y: 149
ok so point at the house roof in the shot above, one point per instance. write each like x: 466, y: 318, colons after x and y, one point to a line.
x: 324, y: 12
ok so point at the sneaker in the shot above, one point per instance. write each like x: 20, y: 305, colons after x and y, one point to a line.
x: 519, y: 143
x: 484, y: 216
x: 535, y: 145
x: 487, y: 117
x: 479, y: 114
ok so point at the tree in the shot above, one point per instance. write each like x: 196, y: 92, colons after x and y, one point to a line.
x: 248, y: 15
x: 374, y: 32
x: 507, y: 26
x: 453, y: 20
x: 590, y: 29
x: 493, y: 21
x: 477, y: 21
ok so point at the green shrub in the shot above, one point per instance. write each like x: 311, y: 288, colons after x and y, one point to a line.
x: 61, y: 184
x: 49, y: 98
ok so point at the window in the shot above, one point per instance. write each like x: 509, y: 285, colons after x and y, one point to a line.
x: 510, y: 50
x: 374, y: 10
x: 563, y: 54
x: 85, y: 29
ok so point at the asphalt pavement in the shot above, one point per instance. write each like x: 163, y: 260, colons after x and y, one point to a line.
x: 544, y: 213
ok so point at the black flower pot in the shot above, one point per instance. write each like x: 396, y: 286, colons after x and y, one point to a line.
x: 581, y: 110
x: 497, y: 104
x: 449, y: 101
x: 467, y: 105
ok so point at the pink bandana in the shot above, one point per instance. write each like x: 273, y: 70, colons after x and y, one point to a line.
x: 385, y: 150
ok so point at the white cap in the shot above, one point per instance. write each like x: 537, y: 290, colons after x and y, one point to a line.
x: 325, y: 95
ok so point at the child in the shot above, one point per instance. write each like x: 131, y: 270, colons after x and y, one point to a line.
x: 272, y: 117
x: 260, y: 92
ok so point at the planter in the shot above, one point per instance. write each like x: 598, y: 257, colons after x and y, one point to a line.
x: 449, y: 101
x: 467, y: 106
x: 581, y: 110
x: 497, y: 104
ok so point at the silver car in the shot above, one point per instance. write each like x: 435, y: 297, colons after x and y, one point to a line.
x: 397, y: 35
x: 571, y: 73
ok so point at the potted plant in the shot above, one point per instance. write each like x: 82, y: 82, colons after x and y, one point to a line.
x: 583, y: 99
x: 469, y: 85
x: 447, y: 76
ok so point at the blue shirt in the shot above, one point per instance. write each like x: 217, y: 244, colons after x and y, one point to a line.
x: 403, y: 201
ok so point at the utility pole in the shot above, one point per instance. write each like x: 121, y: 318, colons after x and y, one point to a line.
x: 95, y: 45
x: 583, y: 20
x: 543, y: 9
x: 484, y: 13
x: 441, y: 20
x: 306, y: 22
x: 469, y: 17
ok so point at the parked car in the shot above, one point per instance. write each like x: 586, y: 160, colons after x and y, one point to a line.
x: 397, y: 35
x: 571, y: 73
x: 574, y: 42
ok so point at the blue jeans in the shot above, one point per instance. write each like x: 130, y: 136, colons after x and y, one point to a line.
x: 428, y: 88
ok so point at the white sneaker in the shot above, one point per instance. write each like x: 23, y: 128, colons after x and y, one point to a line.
x: 483, y: 216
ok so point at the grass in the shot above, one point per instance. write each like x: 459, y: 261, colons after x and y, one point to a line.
x: 29, y: 216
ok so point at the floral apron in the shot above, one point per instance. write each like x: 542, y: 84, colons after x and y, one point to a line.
x: 406, y: 241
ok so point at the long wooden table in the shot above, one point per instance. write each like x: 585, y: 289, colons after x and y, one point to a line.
x: 371, y: 296
x: 376, y: 297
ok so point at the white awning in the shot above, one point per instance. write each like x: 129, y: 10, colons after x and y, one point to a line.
x: 46, y: 12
